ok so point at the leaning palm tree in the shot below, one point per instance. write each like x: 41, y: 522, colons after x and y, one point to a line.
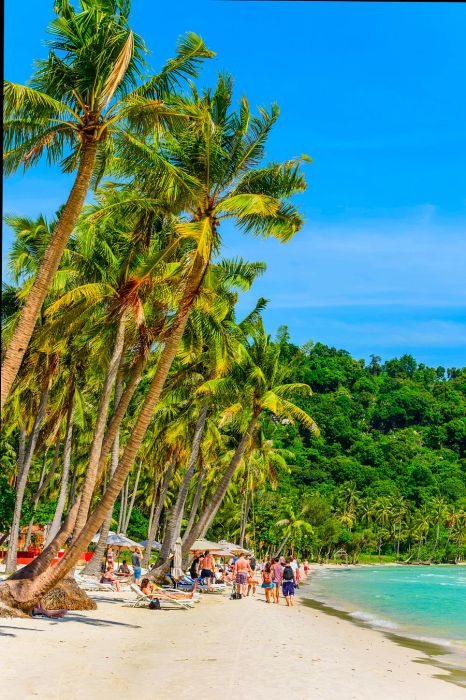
x: 78, y: 100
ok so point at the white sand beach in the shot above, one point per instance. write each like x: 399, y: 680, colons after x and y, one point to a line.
x: 221, y: 647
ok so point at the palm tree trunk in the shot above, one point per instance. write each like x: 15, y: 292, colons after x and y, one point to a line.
x: 284, y: 541
x: 196, y: 500
x: 51, y: 473
x: 31, y: 522
x: 244, y: 519
x: 72, y: 493
x: 48, y: 267
x: 174, y: 525
x: 21, y: 447
x: 29, y: 595
x: 101, y: 419
x: 10, y: 564
x: 154, y: 523
x: 212, y: 507
x: 112, y: 432
x: 123, y: 501
x: 56, y: 522
x: 92, y: 568
x: 133, y: 498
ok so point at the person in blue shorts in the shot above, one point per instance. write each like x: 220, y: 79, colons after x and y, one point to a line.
x: 288, y: 583
x: 136, y: 561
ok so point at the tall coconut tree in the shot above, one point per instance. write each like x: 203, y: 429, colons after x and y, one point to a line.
x: 79, y: 99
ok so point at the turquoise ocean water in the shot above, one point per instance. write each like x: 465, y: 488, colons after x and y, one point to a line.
x: 427, y: 603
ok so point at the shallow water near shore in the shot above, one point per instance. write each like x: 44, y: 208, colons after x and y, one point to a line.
x: 420, y: 607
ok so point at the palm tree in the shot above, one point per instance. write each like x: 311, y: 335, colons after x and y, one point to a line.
x: 293, y: 526
x: 439, y: 510
x: 261, y: 465
x: 80, y: 101
x: 259, y: 385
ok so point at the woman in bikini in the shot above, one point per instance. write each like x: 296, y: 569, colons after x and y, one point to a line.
x: 267, y: 583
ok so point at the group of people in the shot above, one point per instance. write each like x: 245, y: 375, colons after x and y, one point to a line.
x: 113, y: 577
x: 279, y: 572
x: 274, y: 574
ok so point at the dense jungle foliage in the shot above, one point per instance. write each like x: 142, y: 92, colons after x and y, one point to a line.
x: 387, y: 475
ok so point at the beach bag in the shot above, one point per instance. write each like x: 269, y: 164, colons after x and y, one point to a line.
x: 288, y: 573
x: 155, y: 604
x: 235, y: 595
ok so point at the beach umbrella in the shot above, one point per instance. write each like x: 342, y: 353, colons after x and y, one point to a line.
x: 203, y: 545
x: 96, y: 537
x: 233, y: 548
x: 177, y: 572
x: 121, y: 541
x: 155, y: 544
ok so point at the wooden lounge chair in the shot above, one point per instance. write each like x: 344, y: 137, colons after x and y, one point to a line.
x: 166, y: 601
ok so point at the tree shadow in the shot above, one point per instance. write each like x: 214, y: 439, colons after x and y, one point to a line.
x: 94, y: 621
x: 12, y: 627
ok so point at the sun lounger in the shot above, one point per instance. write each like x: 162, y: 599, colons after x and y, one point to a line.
x: 89, y: 583
x: 166, y: 601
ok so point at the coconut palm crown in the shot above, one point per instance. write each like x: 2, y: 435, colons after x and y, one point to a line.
x: 80, y: 97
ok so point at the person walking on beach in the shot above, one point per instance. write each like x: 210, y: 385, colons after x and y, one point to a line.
x: 288, y: 583
x: 277, y: 570
x: 194, y: 568
x: 295, y: 566
x: 136, y: 561
x: 267, y: 583
x: 306, y: 567
x: 207, y: 566
x: 241, y: 570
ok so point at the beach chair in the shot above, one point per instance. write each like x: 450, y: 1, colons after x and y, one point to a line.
x: 215, y: 588
x: 192, y: 594
x: 89, y: 583
x: 166, y: 601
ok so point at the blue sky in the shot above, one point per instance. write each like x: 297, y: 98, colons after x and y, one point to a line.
x: 375, y: 94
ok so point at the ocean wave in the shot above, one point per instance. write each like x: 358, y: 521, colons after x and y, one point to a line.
x: 373, y: 620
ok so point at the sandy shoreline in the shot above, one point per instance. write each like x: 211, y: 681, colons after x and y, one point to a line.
x: 242, y: 647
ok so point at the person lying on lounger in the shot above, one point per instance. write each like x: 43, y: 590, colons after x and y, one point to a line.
x: 152, y: 590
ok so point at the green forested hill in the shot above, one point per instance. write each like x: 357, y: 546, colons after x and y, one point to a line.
x: 387, y: 475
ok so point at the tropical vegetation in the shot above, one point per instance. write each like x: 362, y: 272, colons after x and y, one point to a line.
x: 134, y: 397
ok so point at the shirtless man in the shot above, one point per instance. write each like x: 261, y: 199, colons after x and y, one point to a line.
x: 241, y: 571
x: 207, y: 566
